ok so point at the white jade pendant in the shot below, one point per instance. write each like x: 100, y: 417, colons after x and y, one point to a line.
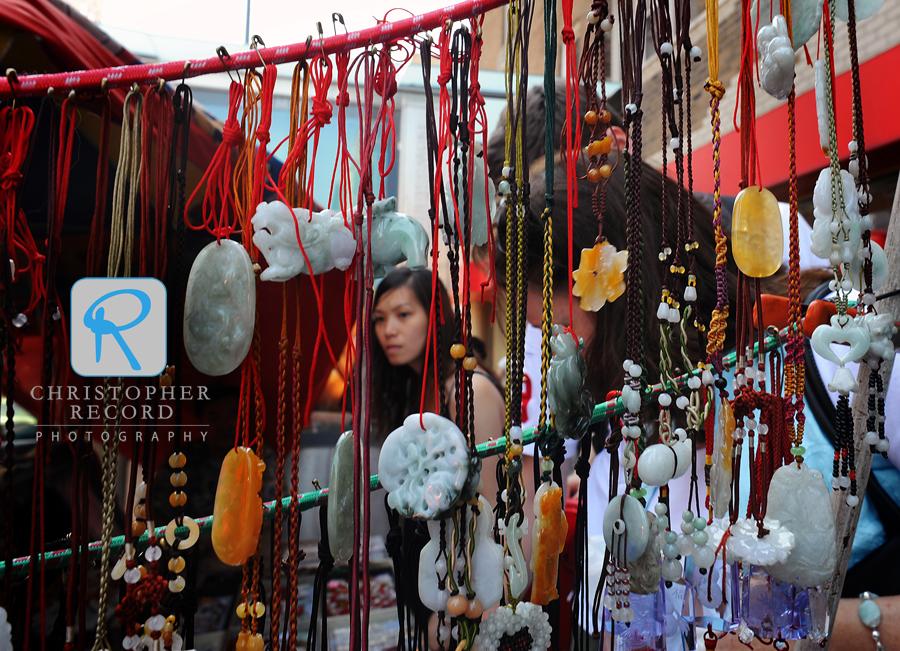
x: 776, y: 58
x: 805, y: 17
x: 516, y: 565
x: 424, y: 470
x: 432, y: 568
x: 327, y: 242
x: 660, y: 463
x: 842, y: 330
x: 881, y: 332
x: 220, y: 308
x: 625, y: 516
x: 744, y: 543
x: 487, y: 562
x: 799, y: 499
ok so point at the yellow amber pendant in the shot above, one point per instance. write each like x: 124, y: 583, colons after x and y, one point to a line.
x: 757, y: 234
x: 548, y: 540
x: 248, y: 641
x: 600, y: 276
x: 238, y: 512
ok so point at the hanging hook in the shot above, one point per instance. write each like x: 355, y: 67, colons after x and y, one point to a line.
x: 223, y: 54
x: 338, y: 18
x: 160, y: 84
x: 308, y: 45
x: 321, y: 38
x: 184, y: 71
x: 104, y: 85
x: 13, y: 78
x: 254, y: 45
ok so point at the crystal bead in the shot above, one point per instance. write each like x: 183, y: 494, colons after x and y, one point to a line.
x: 696, y: 54
x: 606, y: 25
x: 757, y: 232
x: 503, y: 188
x: 883, y: 445
x: 593, y: 18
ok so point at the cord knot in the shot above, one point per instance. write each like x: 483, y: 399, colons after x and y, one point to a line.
x: 715, y: 88
x: 232, y: 134
x: 568, y: 35
x: 321, y: 110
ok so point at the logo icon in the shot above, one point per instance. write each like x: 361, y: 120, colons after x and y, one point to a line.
x: 118, y: 327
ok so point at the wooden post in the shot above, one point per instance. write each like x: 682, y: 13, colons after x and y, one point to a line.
x: 845, y: 518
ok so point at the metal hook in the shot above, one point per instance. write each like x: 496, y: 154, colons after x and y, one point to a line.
x: 254, y: 45
x: 321, y: 38
x: 187, y: 66
x: 223, y: 54
x: 338, y: 18
x: 104, y: 85
x: 160, y: 84
x: 12, y: 78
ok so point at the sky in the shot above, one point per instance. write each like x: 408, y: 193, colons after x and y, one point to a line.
x: 225, y: 21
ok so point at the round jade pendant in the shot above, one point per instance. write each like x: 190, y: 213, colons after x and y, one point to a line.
x: 634, y: 517
x: 219, y: 308
x: 757, y: 235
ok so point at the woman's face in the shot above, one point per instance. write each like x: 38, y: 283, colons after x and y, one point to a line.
x: 401, y: 326
x: 584, y: 322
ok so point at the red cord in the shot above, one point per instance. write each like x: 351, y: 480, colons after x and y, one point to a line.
x: 573, y: 137
x: 218, y: 208
x: 751, y: 172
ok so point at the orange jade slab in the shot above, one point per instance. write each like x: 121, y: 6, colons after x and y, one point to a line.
x: 238, y: 512
x: 757, y: 233
x: 547, y: 542
x: 248, y: 641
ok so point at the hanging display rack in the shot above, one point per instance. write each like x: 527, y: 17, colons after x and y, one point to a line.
x: 14, y: 85
x: 307, y: 501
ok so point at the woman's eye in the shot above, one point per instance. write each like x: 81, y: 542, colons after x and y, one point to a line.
x: 377, y: 319
x: 403, y: 315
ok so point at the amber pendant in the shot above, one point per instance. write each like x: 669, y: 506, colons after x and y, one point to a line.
x: 238, y: 513
x: 757, y: 234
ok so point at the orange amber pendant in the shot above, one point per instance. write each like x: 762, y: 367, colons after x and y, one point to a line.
x: 757, y: 234
x: 548, y: 540
x: 238, y: 513
x: 248, y: 641
x: 600, y: 276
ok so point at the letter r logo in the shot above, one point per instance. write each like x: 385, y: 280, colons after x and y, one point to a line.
x: 118, y: 327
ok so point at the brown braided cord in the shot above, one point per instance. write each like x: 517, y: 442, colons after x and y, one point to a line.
x: 108, y: 514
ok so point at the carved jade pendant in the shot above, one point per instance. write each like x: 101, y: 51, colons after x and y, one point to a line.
x: 238, y: 512
x: 219, y: 308
x: 340, y: 499
x: 757, y: 235
x: 547, y: 541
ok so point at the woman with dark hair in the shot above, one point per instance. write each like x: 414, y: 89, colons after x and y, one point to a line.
x: 400, y: 323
